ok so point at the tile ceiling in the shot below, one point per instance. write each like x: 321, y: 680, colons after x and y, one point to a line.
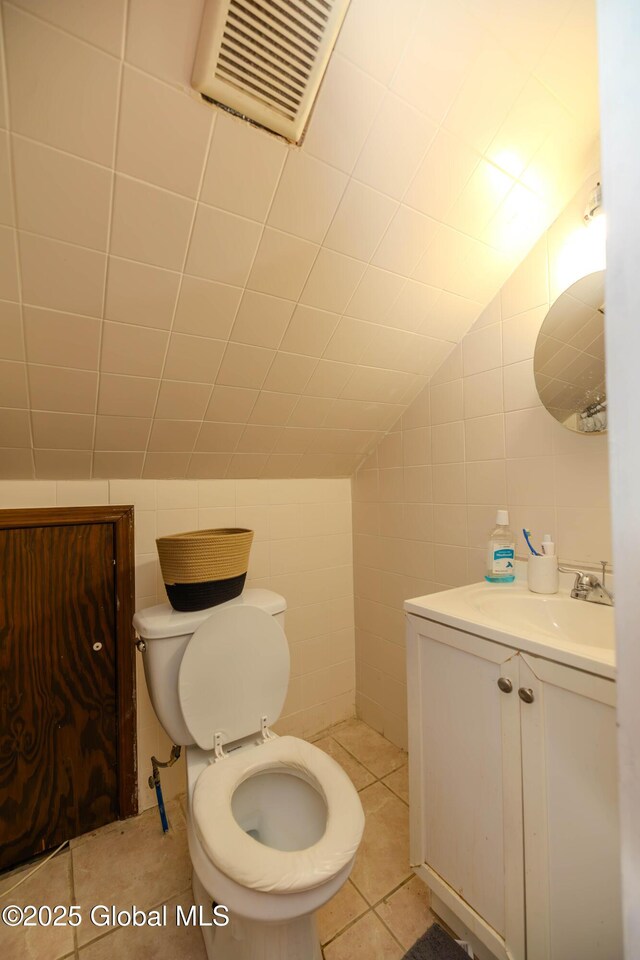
x: 182, y: 294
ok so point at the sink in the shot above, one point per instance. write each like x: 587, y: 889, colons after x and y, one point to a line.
x: 573, y: 631
x: 560, y: 617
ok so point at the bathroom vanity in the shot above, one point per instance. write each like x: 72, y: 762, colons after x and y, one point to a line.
x: 513, y: 773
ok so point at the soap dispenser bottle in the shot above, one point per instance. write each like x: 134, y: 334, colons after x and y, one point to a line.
x: 501, y: 552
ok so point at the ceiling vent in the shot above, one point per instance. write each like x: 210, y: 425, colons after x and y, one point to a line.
x: 265, y: 59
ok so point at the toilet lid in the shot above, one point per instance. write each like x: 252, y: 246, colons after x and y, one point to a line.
x: 234, y: 671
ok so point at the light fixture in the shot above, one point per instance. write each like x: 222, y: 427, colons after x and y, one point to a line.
x: 594, y: 206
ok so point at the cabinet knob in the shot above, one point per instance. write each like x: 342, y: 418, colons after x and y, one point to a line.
x: 505, y: 684
x: 526, y: 694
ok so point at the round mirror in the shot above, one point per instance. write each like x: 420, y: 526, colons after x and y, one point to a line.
x: 568, y: 363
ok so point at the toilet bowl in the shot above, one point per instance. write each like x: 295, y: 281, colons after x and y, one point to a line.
x: 273, y: 823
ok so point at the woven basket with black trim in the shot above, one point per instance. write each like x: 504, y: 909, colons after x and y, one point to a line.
x: 202, y: 568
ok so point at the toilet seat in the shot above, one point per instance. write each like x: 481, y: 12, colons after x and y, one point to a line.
x: 259, y: 867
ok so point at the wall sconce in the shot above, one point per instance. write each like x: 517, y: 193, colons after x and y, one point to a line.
x: 594, y: 206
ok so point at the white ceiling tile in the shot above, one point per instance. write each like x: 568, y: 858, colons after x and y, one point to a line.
x: 48, y: 100
x: 101, y: 24
x: 61, y: 339
x: 441, y: 48
x: 307, y: 197
x: 450, y: 317
x: 369, y: 383
x: 360, y: 221
x: 282, y: 264
x: 442, y: 261
x: 329, y: 379
x: 343, y: 114
x: 62, y: 464
x: 61, y: 196
x: 289, y: 373
x: 135, y: 351
x: 181, y: 399
x: 193, y: 358
x: 244, y: 365
x: 488, y: 93
x: 57, y: 388
x: 527, y: 29
x: 517, y: 223
x: 349, y: 340
x: 412, y: 305
x: 261, y: 319
x: 150, y: 224
x: 393, y: 150
x: 122, y: 433
x: 11, y: 345
x: 62, y: 431
x: 162, y: 37
x: 8, y: 265
x: 405, y: 241
x: 375, y: 293
x: 139, y: 293
x: 535, y: 115
x: 127, y: 396
x: 6, y: 192
x: 374, y: 34
x: 332, y: 281
x: 480, y: 199
x: 309, y: 331
x: 13, y: 384
x: 243, y: 168
x: 442, y: 175
x: 222, y: 246
x: 162, y: 134
x: 61, y: 275
x: 573, y: 52
x: 206, y: 308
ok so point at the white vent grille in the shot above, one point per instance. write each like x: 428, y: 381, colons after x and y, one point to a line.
x: 265, y: 59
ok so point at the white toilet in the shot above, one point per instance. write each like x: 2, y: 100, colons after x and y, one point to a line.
x: 273, y: 822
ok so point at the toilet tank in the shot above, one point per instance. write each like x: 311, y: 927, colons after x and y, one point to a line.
x: 166, y: 633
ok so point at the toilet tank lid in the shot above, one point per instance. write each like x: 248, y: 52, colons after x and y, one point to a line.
x: 156, y: 623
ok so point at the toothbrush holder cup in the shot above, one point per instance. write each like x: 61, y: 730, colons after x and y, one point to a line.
x: 542, y: 574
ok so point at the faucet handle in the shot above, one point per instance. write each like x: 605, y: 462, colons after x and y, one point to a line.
x: 603, y: 564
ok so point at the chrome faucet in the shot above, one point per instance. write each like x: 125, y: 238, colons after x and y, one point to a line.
x: 588, y: 587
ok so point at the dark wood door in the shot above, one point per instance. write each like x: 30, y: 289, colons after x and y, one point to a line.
x: 58, y: 695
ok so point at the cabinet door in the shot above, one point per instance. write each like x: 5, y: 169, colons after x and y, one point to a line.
x: 466, y: 791
x: 570, y: 814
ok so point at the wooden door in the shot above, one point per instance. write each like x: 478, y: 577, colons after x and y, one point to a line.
x: 465, y: 780
x: 571, y: 827
x: 59, y: 686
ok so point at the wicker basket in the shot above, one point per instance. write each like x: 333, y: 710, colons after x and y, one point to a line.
x: 202, y: 568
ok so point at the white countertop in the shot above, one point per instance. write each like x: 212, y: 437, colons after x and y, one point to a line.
x: 555, y: 627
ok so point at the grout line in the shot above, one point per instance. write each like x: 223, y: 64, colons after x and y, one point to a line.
x: 114, y: 156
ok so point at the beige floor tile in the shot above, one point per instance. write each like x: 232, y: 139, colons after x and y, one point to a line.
x: 382, y: 862
x: 367, y: 939
x: 150, y: 943
x: 134, y: 864
x: 50, y: 886
x: 406, y: 912
x: 359, y: 775
x: 339, y: 911
x: 398, y: 781
x: 370, y: 748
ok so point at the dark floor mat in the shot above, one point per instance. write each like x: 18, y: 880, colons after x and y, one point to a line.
x: 436, y: 944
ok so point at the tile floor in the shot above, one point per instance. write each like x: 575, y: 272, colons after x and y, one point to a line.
x: 377, y: 915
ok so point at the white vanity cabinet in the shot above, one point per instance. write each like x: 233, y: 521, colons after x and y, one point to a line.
x: 513, y: 788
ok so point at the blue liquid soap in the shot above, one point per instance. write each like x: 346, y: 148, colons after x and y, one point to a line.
x: 501, y: 551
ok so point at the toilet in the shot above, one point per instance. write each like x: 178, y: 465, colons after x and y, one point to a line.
x: 273, y: 822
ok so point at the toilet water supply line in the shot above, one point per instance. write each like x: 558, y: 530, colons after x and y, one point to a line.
x: 154, y: 781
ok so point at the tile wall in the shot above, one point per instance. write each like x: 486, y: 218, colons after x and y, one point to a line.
x: 477, y: 438
x: 302, y: 549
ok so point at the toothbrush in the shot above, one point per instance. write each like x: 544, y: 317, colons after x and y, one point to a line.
x: 527, y: 535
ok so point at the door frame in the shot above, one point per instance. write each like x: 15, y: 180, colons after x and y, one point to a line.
x: 122, y: 520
